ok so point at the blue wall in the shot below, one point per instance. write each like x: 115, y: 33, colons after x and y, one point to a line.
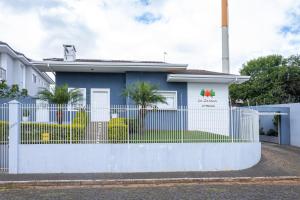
x: 118, y: 81
x: 160, y: 78
x: 114, y: 81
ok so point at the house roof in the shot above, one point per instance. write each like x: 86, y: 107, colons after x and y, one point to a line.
x: 103, y: 61
x: 100, y: 65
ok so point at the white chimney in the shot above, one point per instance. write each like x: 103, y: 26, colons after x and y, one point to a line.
x: 225, y: 38
x: 69, y: 52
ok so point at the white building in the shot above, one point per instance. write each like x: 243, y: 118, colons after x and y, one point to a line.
x: 16, y: 68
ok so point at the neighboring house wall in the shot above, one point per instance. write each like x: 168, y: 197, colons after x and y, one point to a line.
x: 20, y: 74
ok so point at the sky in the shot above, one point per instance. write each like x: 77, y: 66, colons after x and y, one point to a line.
x: 189, y: 31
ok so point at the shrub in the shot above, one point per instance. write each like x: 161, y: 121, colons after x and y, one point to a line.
x: 32, y: 132
x: 3, y: 132
x: 272, y: 132
x: 81, y: 118
x: 117, y: 130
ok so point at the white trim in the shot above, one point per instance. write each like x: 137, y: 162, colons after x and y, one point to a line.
x: 207, y: 78
x: 106, y: 66
x: 174, y: 95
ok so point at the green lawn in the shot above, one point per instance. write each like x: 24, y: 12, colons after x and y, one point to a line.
x: 177, y: 137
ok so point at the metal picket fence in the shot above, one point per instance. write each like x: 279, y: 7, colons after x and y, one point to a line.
x: 66, y: 124
x: 4, y: 132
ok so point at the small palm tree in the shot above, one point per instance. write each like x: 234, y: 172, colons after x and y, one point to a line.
x: 60, y: 95
x: 145, y: 95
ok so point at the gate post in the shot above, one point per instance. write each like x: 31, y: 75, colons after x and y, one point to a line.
x: 14, y: 135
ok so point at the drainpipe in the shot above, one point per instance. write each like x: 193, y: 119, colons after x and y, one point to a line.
x: 225, y: 38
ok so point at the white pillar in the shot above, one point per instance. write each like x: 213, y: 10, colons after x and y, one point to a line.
x: 14, y: 135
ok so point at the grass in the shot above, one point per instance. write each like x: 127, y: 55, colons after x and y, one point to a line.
x: 178, y: 137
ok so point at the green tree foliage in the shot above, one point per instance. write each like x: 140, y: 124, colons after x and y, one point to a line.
x: 12, y: 92
x: 145, y: 95
x: 60, y: 95
x: 274, y: 79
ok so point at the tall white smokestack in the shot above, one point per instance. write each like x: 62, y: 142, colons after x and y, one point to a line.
x: 225, y: 38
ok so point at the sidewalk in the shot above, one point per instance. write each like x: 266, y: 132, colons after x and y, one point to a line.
x: 276, y: 161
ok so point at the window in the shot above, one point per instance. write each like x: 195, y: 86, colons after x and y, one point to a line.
x: 171, y: 100
x: 33, y: 78
x: 2, y: 74
x: 81, y: 103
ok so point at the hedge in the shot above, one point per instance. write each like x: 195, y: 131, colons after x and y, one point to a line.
x: 117, y: 130
x: 32, y: 132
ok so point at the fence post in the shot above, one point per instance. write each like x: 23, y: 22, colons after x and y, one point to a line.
x: 14, y: 135
x: 181, y: 116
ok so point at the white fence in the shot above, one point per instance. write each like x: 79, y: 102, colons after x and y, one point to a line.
x: 130, y: 124
x: 4, y: 138
x: 40, y: 136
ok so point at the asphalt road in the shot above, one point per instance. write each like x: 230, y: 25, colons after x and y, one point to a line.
x: 190, y: 192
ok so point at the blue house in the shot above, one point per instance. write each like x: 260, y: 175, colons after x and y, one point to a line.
x: 102, y: 82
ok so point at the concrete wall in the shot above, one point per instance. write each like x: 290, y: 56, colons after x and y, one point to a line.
x: 209, y: 114
x: 89, y: 158
x: 285, y: 121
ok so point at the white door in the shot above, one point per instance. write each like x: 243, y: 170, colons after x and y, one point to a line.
x: 100, y: 105
x: 42, y: 111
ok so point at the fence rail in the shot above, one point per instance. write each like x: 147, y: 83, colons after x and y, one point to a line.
x: 65, y: 124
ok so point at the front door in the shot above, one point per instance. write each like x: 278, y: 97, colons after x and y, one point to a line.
x: 100, y: 105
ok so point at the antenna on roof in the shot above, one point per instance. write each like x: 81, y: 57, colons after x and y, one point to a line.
x: 165, y: 54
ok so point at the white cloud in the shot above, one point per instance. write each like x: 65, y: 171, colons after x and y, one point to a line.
x: 188, y: 30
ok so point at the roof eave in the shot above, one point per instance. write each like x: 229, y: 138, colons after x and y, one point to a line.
x: 229, y: 79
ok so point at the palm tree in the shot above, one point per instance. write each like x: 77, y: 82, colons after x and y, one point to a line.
x: 60, y: 95
x: 144, y: 94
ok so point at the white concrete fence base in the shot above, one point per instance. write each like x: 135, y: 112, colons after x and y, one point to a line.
x: 93, y: 158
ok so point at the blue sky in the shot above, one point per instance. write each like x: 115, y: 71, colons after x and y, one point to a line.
x: 189, y: 31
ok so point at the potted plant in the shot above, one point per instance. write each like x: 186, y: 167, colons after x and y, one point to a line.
x: 25, y: 115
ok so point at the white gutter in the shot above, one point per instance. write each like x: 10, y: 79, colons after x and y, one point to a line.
x: 207, y: 78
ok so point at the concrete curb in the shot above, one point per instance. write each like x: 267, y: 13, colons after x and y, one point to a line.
x: 136, y: 182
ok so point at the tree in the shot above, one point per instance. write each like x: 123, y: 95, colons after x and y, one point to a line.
x: 12, y: 92
x: 274, y: 80
x: 60, y: 95
x: 144, y: 95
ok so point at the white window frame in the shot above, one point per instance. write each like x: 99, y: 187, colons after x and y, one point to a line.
x: 77, y: 105
x: 166, y: 94
x: 2, y: 74
x: 34, y: 78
